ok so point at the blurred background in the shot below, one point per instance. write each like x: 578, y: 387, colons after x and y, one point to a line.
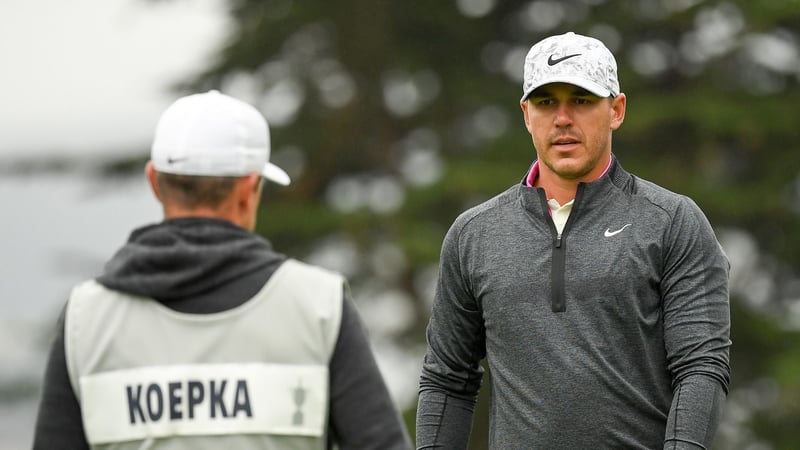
x: 391, y: 119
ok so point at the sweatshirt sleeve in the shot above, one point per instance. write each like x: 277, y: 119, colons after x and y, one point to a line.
x: 696, y: 328
x: 363, y: 415
x: 58, y: 422
x: 451, y: 372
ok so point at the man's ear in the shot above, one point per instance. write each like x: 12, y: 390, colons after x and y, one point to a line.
x: 248, y: 185
x: 152, y: 178
x: 524, y: 105
x: 618, y: 105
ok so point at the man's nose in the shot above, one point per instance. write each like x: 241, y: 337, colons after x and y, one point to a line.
x: 563, y: 115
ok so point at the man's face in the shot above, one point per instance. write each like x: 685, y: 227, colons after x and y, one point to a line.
x: 571, y: 129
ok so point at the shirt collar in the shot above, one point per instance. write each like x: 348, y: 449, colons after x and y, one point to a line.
x: 533, y: 173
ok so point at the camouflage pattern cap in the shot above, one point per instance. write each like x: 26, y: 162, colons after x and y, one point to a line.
x: 574, y: 59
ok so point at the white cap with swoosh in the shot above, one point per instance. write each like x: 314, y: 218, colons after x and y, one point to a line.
x: 213, y: 134
x: 571, y: 58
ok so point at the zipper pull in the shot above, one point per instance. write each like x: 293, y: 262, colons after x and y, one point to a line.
x: 558, y: 241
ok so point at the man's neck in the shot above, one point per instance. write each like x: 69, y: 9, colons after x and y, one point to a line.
x: 176, y: 212
x: 561, y: 189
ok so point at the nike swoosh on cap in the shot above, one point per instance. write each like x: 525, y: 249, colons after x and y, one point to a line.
x: 553, y: 61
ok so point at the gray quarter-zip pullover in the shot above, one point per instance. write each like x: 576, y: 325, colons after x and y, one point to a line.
x: 613, y: 334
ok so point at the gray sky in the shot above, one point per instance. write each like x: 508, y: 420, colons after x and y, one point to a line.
x: 83, y: 76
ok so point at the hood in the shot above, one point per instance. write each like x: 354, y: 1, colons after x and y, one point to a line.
x: 186, y: 257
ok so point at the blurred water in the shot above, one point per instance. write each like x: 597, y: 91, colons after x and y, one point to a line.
x: 16, y: 423
x: 57, y: 230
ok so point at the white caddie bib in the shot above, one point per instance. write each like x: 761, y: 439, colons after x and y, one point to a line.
x: 254, y: 376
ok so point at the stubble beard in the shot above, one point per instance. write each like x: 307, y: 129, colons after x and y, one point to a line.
x: 575, y: 168
x: 570, y: 171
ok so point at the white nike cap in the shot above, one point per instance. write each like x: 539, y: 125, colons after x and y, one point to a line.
x: 571, y: 58
x: 212, y: 134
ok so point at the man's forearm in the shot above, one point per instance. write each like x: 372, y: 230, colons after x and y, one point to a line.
x: 695, y: 413
x: 443, y: 421
x: 363, y: 415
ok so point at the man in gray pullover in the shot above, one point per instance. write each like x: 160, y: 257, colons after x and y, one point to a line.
x: 599, y: 300
x: 199, y: 335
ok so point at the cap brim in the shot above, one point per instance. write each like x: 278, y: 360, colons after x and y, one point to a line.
x: 276, y: 174
x: 590, y: 86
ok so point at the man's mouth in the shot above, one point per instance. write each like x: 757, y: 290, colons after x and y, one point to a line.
x: 564, y: 141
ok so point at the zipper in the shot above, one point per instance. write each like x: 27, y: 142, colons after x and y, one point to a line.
x: 557, y: 285
x: 558, y: 301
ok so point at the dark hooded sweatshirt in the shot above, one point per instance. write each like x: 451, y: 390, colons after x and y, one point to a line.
x: 204, y: 266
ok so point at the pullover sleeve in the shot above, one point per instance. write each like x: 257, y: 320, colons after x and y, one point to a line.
x: 451, y: 372
x: 363, y: 415
x: 444, y: 421
x: 696, y: 328
x: 695, y: 414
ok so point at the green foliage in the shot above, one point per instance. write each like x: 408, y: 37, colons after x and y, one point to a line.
x: 766, y: 361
